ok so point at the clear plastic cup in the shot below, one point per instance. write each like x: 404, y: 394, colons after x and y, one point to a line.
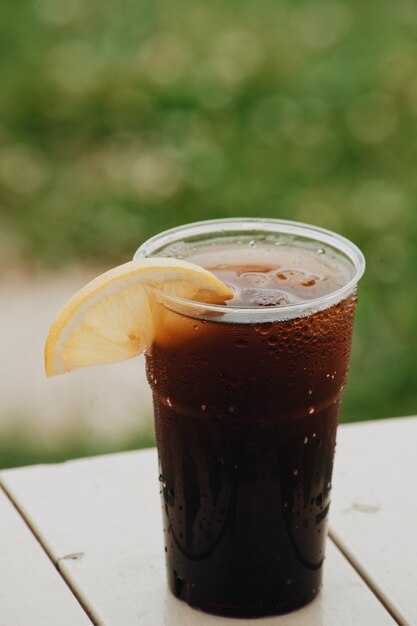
x: 246, y: 406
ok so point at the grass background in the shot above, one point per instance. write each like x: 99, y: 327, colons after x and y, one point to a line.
x: 118, y: 120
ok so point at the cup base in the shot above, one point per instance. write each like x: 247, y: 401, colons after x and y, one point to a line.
x: 184, y: 590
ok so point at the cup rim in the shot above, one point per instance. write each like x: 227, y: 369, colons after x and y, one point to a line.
x: 251, y: 224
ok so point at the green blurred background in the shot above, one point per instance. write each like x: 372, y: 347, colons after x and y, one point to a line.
x: 118, y: 120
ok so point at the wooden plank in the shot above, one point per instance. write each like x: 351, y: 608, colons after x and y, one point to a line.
x: 32, y: 592
x: 100, y: 520
x: 374, y: 508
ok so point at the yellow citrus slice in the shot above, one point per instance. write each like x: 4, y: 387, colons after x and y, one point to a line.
x: 110, y: 319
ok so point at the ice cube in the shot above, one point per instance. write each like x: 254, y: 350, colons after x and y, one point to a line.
x: 265, y: 297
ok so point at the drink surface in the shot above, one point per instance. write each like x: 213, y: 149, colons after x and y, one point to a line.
x: 271, y: 275
x: 246, y: 418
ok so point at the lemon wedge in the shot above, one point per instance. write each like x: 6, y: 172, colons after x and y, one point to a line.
x: 110, y: 319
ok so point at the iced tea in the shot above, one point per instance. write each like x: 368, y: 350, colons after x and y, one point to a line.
x: 246, y: 411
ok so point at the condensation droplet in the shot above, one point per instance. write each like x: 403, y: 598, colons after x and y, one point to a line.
x: 295, y: 471
x: 311, y: 411
x: 310, y: 392
x: 168, y: 400
x: 203, y: 407
x: 264, y: 329
x: 252, y: 242
x: 231, y: 409
x: 314, y: 435
x: 305, y: 440
x: 272, y: 340
x: 321, y: 251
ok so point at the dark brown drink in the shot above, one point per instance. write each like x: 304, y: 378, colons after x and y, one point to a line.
x: 246, y: 415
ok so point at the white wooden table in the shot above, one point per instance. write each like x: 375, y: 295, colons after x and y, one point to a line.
x: 81, y: 542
